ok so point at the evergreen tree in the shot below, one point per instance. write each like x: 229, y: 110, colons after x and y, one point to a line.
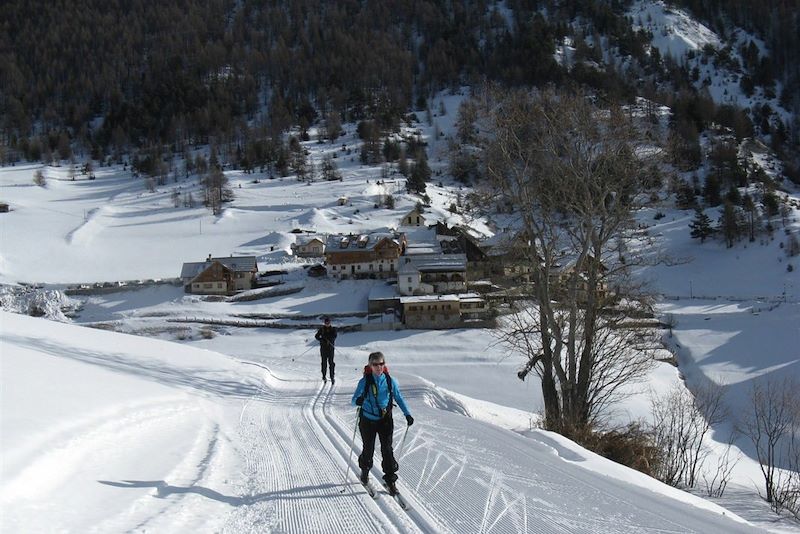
x: 700, y: 225
x: 712, y: 191
x: 750, y: 207
x: 684, y: 196
x: 729, y: 224
x: 420, y: 174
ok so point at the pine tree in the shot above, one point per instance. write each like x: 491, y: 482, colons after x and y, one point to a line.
x: 729, y: 224
x: 700, y: 225
x: 420, y: 174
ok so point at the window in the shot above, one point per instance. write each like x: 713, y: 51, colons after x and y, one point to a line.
x: 371, y: 266
x: 219, y: 284
x: 409, y: 279
x: 208, y: 285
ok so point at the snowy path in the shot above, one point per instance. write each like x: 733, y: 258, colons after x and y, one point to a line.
x: 114, y: 433
x: 294, y: 462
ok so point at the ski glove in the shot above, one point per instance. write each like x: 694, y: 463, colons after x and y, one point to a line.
x: 409, y: 420
x: 360, y: 401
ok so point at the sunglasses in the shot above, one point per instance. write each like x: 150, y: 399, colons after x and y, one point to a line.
x: 377, y: 364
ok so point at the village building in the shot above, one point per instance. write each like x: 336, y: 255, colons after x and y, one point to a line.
x: 373, y: 255
x: 426, y: 274
x: 507, y: 257
x: 431, y: 311
x: 580, y: 269
x: 311, y: 246
x: 472, y: 306
x: 383, y: 300
x: 220, y: 276
x: 413, y: 218
x: 457, y: 240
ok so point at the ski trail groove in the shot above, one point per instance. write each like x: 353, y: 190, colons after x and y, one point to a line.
x: 292, y: 471
x: 417, y: 517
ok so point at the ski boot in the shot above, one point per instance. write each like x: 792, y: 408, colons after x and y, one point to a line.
x: 391, y: 488
x: 364, y: 476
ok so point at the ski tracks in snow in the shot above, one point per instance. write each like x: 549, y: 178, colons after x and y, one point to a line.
x: 294, y: 452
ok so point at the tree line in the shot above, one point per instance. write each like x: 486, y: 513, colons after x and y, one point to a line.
x: 104, y: 77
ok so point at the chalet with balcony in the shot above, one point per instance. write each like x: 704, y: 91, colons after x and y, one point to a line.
x: 220, y: 276
x: 373, y: 255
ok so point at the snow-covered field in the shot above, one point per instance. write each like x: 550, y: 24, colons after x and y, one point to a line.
x: 223, y: 428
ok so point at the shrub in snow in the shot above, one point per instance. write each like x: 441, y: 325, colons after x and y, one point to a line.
x: 36, y: 302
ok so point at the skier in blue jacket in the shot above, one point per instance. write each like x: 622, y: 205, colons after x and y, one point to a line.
x: 375, y: 394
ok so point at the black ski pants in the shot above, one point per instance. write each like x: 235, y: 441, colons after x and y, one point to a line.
x: 383, y: 429
x: 327, y: 361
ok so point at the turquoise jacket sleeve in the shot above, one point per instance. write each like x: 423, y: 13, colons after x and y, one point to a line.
x: 398, y: 397
x: 359, y: 391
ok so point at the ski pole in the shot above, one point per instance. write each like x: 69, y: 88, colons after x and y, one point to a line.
x: 350, y: 458
x: 303, y: 353
x: 402, y: 443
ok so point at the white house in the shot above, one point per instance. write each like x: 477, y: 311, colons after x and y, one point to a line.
x: 426, y: 274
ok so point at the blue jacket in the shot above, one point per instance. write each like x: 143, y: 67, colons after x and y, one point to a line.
x: 371, y: 409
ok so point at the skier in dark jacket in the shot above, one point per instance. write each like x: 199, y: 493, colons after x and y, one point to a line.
x: 375, y: 394
x: 326, y: 336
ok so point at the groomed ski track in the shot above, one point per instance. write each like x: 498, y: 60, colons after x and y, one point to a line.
x: 296, y: 452
x: 296, y: 438
x: 176, y: 439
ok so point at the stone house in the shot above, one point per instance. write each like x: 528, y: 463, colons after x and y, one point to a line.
x: 413, y: 218
x: 431, y: 311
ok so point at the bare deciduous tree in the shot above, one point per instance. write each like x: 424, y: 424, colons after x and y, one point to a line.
x: 680, y: 422
x: 216, y: 190
x: 571, y: 174
x: 716, y: 481
x: 772, y: 426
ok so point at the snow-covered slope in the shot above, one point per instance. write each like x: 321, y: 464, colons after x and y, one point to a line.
x: 115, y: 433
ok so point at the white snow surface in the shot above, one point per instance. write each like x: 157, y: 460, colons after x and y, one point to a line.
x: 105, y: 432
x: 226, y: 427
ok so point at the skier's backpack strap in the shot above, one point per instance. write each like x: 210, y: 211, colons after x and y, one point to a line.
x: 390, y: 385
x: 370, y: 384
